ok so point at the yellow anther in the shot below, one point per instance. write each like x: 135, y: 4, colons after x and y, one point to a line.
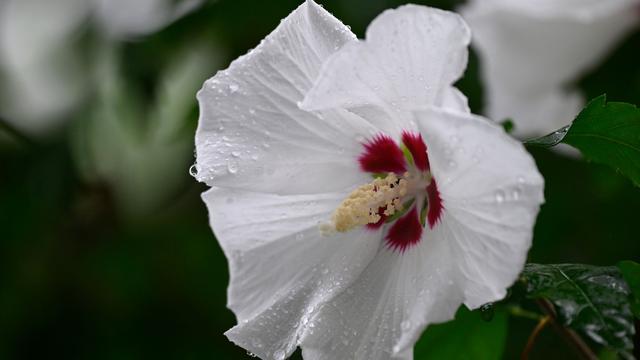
x: 361, y: 207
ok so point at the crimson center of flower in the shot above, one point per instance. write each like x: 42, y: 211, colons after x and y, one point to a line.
x: 403, y: 193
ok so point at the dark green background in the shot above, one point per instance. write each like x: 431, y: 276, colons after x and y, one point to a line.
x: 82, y: 279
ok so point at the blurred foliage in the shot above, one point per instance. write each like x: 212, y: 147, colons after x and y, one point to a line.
x: 105, y: 248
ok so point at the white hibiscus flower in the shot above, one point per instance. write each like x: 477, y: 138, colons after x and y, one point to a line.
x: 322, y: 254
x: 531, y: 51
x: 44, y: 76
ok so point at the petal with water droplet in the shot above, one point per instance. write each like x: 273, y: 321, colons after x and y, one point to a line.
x: 279, y: 278
x: 255, y: 101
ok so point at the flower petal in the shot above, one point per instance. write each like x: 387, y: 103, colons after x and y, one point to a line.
x: 531, y: 50
x: 382, y: 155
x: 281, y: 267
x: 123, y: 19
x: 42, y: 72
x: 405, y: 232
x: 418, y: 149
x: 393, y: 298
x: 251, y: 133
x: 492, y: 192
x: 411, y: 57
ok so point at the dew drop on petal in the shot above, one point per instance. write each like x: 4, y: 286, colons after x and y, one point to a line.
x: 516, y: 194
x: 499, y: 196
x: 232, y: 167
x: 279, y: 355
x: 235, y: 153
x: 193, y: 170
x: 233, y: 88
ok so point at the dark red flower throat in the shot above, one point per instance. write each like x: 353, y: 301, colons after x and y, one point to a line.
x: 421, y: 203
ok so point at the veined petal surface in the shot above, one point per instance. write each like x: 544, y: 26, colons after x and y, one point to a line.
x: 251, y: 133
x: 396, y: 295
x: 411, y: 57
x: 282, y: 268
x: 491, y: 191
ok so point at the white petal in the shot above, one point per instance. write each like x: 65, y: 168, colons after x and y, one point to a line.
x: 491, y: 192
x: 411, y: 57
x: 281, y: 267
x: 124, y: 18
x: 394, y: 298
x: 251, y: 133
x: 530, y: 51
x: 43, y: 72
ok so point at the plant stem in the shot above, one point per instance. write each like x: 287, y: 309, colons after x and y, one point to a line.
x: 517, y: 311
x: 534, y: 335
x: 579, y: 345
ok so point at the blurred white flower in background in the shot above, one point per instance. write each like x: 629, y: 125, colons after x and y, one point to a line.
x: 321, y: 255
x: 130, y: 18
x: 45, y: 75
x: 531, y: 51
x: 143, y: 150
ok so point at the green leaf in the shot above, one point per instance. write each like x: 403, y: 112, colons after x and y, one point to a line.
x: 466, y: 337
x: 605, y: 133
x: 591, y: 300
x: 609, y: 133
x: 631, y: 273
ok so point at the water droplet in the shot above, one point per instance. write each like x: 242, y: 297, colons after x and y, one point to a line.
x: 499, y: 196
x: 233, y: 88
x: 232, y: 167
x: 521, y: 180
x: 279, y: 355
x: 325, y: 271
x: 193, y: 170
x: 251, y: 111
x: 486, y: 312
x: 235, y: 153
x: 516, y: 194
x: 254, y: 157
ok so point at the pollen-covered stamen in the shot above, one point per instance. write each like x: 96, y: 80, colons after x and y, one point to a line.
x: 370, y: 202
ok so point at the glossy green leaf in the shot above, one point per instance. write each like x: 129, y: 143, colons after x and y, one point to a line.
x: 591, y: 300
x: 609, y: 133
x: 466, y: 337
x: 631, y: 273
x: 606, y: 133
